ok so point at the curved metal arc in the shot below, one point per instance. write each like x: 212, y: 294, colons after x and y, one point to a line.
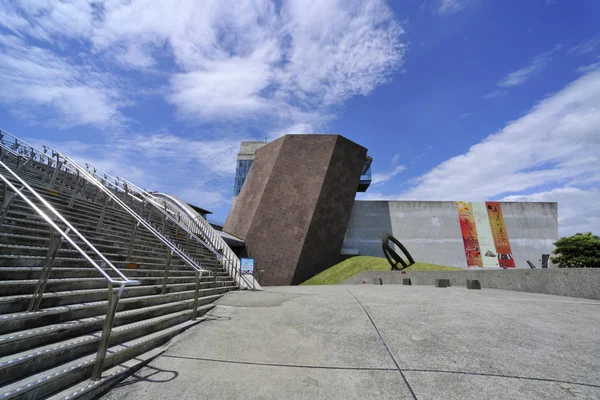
x: 389, y: 252
x: 172, y: 218
x: 201, y: 223
x: 46, y: 218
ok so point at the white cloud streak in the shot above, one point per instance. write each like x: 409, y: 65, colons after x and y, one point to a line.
x: 588, y: 46
x: 556, y: 143
x: 380, y: 178
x: 39, y: 84
x: 537, y: 64
x: 450, y: 6
x: 198, y: 171
x: 233, y: 60
x: 495, y: 94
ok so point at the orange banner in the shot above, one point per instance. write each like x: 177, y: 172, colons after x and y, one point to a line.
x: 469, y: 234
x: 505, y: 257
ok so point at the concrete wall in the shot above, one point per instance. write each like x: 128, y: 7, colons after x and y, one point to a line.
x: 430, y: 230
x: 582, y: 283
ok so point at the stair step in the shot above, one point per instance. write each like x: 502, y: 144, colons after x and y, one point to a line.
x: 31, y: 361
x: 53, y: 380
x: 24, y: 273
x: 26, y: 287
x: 89, y: 390
x: 19, y: 303
x: 39, y: 336
x: 51, y: 352
x: 27, y: 320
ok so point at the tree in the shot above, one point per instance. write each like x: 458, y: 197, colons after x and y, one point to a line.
x: 581, y: 250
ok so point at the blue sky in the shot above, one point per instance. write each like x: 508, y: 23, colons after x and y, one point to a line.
x: 455, y: 99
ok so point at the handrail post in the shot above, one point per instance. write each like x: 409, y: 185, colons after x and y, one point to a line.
x: 167, y: 268
x: 40, y: 287
x: 6, y: 202
x: 54, y: 174
x: 102, y: 214
x: 215, y: 268
x: 197, y: 290
x: 131, y: 241
x: 113, y: 301
x: 75, y: 191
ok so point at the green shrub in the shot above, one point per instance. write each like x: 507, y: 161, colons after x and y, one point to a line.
x: 581, y: 250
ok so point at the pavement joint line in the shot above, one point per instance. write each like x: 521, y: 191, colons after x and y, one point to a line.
x: 341, y: 368
x: 441, y: 371
x: 385, y: 345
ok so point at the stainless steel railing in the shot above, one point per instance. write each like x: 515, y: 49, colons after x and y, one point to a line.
x: 61, y: 162
x: 167, y: 212
x: 196, y: 223
x: 57, y: 163
x: 55, y: 241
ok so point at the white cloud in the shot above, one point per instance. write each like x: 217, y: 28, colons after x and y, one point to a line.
x: 380, y: 178
x: 34, y: 81
x: 589, y: 68
x: 578, y: 209
x: 586, y: 47
x: 537, y: 64
x: 198, y: 171
x: 296, y: 129
x: 556, y: 144
x: 232, y: 60
x: 450, y: 6
x: 495, y: 94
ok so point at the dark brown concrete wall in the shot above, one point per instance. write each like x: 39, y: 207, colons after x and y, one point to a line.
x: 295, y: 204
x: 243, y: 212
x: 330, y: 220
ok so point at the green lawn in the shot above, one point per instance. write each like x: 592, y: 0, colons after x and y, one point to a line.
x: 354, y: 265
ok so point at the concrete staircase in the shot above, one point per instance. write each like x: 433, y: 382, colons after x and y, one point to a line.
x: 50, y: 352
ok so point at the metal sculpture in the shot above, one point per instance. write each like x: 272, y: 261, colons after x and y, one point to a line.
x: 393, y: 258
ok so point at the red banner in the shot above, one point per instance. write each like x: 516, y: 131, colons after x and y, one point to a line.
x: 503, y: 251
x: 469, y: 234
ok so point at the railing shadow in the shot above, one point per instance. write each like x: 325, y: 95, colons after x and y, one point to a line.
x: 148, y: 374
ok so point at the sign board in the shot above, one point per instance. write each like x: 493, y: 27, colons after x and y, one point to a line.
x: 247, y: 265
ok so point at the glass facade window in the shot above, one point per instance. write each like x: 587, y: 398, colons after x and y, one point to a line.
x: 241, y: 172
x: 243, y: 167
x: 366, y: 176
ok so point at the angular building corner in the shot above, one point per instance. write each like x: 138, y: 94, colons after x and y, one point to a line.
x: 293, y: 209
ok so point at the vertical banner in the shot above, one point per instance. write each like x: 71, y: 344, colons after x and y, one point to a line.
x: 469, y: 234
x: 505, y: 257
x: 484, y: 235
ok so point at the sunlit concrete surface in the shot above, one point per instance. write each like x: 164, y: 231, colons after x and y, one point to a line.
x: 381, y: 342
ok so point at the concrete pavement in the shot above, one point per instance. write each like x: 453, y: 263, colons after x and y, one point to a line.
x: 381, y: 342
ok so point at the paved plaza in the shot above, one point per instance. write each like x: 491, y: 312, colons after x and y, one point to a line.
x: 381, y: 342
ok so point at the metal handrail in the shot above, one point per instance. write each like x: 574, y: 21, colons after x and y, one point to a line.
x: 90, y: 178
x: 113, y: 298
x: 68, y: 164
x: 65, y: 236
x: 171, y: 215
x: 194, y: 220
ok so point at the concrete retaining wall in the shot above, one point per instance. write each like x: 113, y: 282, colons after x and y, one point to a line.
x: 583, y: 283
x: 430, y: 230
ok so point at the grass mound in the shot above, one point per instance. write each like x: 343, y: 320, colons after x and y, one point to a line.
x: 354, y: 265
